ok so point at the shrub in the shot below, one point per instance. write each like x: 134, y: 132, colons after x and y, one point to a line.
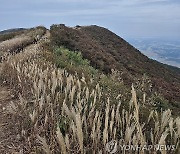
x: 73, y: 57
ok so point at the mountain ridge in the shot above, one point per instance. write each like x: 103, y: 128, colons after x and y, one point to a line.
x: 107, y: 51
x: 12, y: 30
x: 53, y: 101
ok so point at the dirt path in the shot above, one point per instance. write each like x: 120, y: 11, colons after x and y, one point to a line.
x: 8, y: 132
x: 10, y: 142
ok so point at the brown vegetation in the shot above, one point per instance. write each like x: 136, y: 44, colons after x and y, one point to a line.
x: 105, y: 50
x: 17, y: 43
x: 62, y: 105
x: 59, y: 112
x: 10, y: 35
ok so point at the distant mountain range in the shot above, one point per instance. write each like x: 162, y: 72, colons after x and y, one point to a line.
x: 165, y: 51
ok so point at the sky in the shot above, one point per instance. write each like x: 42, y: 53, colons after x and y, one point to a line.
x: 127, y: 18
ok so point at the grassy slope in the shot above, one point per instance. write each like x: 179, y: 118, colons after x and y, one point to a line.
x: 66, y: 105
x: 9, y: 35
x: 16, y: 41
x: 76, y: 108
x: 105, y: 50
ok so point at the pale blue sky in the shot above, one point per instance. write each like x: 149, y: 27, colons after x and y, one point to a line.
x: 127, y: 18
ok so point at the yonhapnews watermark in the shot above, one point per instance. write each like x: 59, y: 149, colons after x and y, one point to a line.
x: 113, y: 147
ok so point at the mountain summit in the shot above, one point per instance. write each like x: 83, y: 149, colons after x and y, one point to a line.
x: 106, y: 50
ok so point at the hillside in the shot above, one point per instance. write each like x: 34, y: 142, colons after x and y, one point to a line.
x: 54, y: 100
x: 10, y: 33
x: 105, y: 50
x: 12, y: 30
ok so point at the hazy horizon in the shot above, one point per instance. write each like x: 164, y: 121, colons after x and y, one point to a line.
x: 126, y: 18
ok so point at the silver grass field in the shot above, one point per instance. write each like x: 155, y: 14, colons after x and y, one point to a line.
x: 61, y: 115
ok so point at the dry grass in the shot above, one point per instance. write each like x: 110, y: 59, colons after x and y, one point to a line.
x: 19, y: 42
x: 63, y: 117
x: 62, y: 114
